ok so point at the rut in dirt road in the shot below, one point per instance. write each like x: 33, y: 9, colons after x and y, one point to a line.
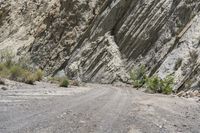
x: 96, y: 109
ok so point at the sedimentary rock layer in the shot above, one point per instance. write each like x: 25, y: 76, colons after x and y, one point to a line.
x: 101, y: 41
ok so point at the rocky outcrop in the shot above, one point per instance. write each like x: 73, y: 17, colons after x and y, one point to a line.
x: 163, y: 35
x: 63, y: 27
x: 45, y: 29
x: 99, y: 41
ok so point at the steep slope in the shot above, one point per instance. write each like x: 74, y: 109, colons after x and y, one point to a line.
x: 47, y: 29
x: 103, y: 44
x: 164, y: 35
x: 157, y: 33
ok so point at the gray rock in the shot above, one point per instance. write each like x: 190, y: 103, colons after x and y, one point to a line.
x: 4, y: 88
x: 101, y: 41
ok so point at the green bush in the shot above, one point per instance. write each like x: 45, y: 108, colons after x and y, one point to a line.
x: 153, y: 84
x: 64, y: 83
x: 17, y: 71
x: 138, y: 76
x: 156, y: 85
x: 167, y: 85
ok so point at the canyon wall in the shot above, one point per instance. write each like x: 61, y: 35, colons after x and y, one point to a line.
x: 101, y: 41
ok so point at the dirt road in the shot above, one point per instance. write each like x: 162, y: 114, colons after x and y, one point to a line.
x: 46, y: 108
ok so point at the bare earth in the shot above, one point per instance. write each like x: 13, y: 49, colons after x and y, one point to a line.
x: 46, y: 108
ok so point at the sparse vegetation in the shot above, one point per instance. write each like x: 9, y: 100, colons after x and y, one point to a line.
x: 156, y: 85
x: 39, y: 75
x: 62, y: 81
x: 153, y: 84
x: 7, y: 56
x: 16, y: 71
x: 138, y: 76
x: 167, y: 85
x: 30, y: 79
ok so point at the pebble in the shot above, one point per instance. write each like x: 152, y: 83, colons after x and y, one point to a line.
x: 4, y: 88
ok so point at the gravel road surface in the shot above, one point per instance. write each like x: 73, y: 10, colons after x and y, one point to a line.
x: 46, y: 108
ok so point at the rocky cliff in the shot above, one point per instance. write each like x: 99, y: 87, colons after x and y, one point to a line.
x: 102, y: 40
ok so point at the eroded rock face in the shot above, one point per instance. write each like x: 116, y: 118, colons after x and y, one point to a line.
x: 164, y: 35
x: 100, y: 41
x: 64, y: 25
x: 97, y: 63
x: 47, y: 30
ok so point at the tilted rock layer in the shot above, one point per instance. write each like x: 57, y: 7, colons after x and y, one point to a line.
x: 102, y: 40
